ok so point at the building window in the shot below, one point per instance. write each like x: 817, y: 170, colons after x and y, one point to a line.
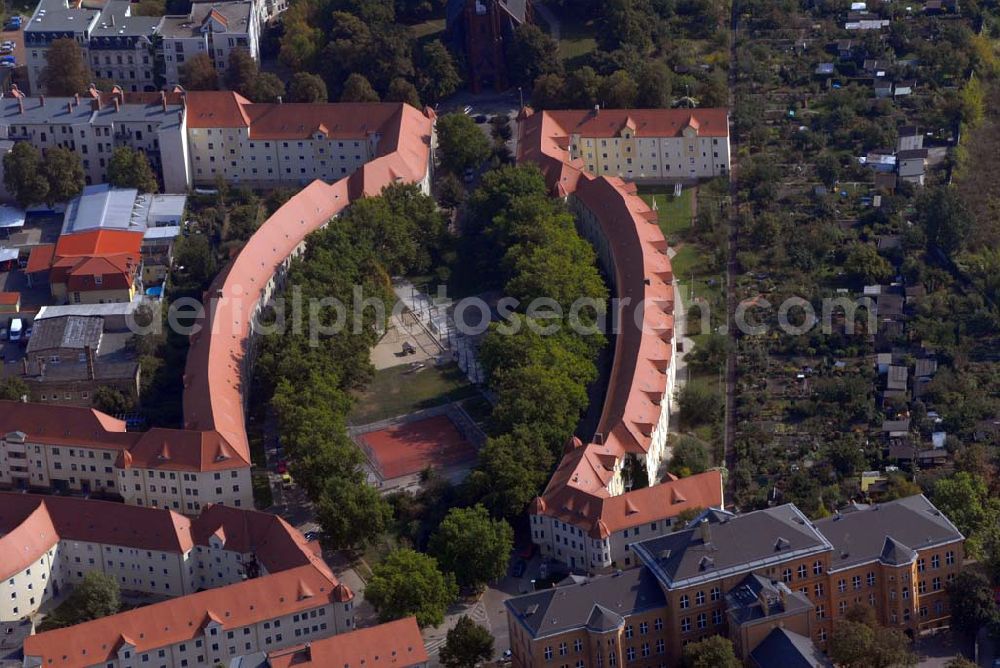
x: 802, y: 570
x: 562, y: 649
x: 921, y: 565
x: 643, y: 628
x: 702, y: 620
x: 716, y: 593
x: 820, y: 612
x: 935, y: 561
x: 949, y: 557
x: 818, y: 588
x: 818, y: 567
x: 685, y: 602
x: 658, y: 624
x: 871, y: 579
x: 786, y: 575
x: 628, y: 631
x: 686, y: 624
x: 548, y: 652
x: 841, y: 585
x: 630, y: 654
x: 699, y: 598
x: 717, y: 617
x: 936, y: 584
x: 856, y: 582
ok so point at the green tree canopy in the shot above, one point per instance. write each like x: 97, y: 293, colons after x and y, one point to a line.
x: 357, y: 88
x: 198, y: 73
x: 712, y: 652
x: 401, y: 90
x: 532, y: 54
x: 64, y: 171
x: 111, y: 401
x: 306, y: 87
x: 23, y: 175
x: 65, y: 72
x: 698, y: 404
x: 467, y: 645
x: 439, y: 76
x: 409, y: 583
x: 864, y: 264
x: 352, y: 514
x: 944, y: 218
x: 461, y: 144
x: 473, y: 546
x: 859, y: 645
x: 618, y: 91
x: 129, y: 168
x: 13, y: 388
x: 972, y: 603
x: 689, y: 456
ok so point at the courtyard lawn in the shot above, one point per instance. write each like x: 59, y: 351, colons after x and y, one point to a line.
x: 675, y: 212
x: 400, y: 390
x: 427, y: 29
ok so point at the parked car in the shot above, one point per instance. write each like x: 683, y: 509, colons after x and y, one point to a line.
x: 481, y: 118
x: 16, y: 329
x: 519, y: 568
x: 7, y: 61
x: 13, y: 23
x: 466, y: 110
x: 312, y: 535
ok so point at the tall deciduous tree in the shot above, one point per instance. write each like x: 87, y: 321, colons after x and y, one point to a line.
x: 23, y: 175
x: 401, y: 90
x: 532, y: 54
x: 972, y: 603
x: 352, y: 512
x: 98, y: 595
x: 468, y: 644
x: 64, y: 172
x: 241, y: 72
x: 65, y: 72
x: 439, y: 77
x: 618, y: 91
x: 462, y: 144
x: 358, y: 89
x: 306, y: 87
x: 473, y: 546
x: 129, y: 168
x: 409, y: 583
x: 859, y: 645
x: 198, y: 73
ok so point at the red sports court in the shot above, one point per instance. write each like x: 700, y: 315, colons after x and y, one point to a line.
x: 409, y: 448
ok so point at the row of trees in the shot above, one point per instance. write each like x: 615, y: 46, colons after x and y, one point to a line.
x: 540, y: 380
x: 33, y: 177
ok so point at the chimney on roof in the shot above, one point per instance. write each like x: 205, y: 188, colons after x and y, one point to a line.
x: 163, y: 100
x: 76, y: 96
x: 88, y: 353
x: 118, y: 105
x: 41, y: 100
x: 20, y: 105
x: 705, y: 531
x: 69, y: 106
x: 112, y: 19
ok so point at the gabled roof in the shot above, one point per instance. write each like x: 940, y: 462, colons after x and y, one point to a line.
x: 602, y: 620
x: 645, y: 122
x: 394, y: 644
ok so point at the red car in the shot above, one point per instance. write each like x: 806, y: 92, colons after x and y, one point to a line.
x: 282, y: 467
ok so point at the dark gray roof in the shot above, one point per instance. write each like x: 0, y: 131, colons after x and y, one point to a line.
x: 912, y: 154
x: 757, y: 597
x: 788, y: 649
x: 602, y: 620
x: 895, y: 553
x: 594, y: 603
x: 71, y: 331
x: 733, y: 545
x: 860, y: 536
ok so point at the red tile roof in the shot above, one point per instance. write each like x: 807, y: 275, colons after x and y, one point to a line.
x: 40, y: 258
x: 99, y: 242
x: 212, y: 379
x: 394, y: 644
x: 10, y: 298
x: 644, y: 122
x: 25, y: 533
x: 182, y: 619
x: 643, y: 279
x: 214, y: 436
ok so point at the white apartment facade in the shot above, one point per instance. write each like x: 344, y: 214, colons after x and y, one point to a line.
x: 94, y: 125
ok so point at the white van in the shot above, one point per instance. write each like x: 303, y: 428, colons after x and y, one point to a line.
x: 16, y: 327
